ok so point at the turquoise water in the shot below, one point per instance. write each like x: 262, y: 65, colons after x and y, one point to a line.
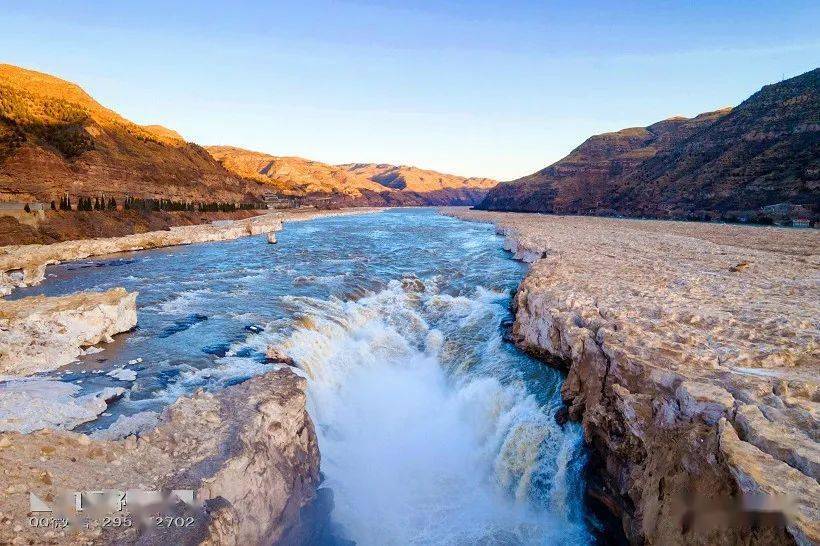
x: 432, y: 428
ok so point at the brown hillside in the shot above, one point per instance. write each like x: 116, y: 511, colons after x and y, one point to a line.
x: 409, y: 178
x: 763, y: 152
x: 351, y: 184
x: 292, y: 175
x: 54, y: 138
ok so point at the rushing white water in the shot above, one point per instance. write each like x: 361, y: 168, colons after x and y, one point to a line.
x: 420, y: 443
x: 432, y: 429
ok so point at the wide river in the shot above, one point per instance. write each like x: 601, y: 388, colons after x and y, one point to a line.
x: 432, y: 428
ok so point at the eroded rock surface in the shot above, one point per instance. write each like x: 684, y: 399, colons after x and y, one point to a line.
x: 693, y: 377
x: 249, y: 451
x: 42, y: 333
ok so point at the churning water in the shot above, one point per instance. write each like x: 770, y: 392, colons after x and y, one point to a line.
x: 432, y: 428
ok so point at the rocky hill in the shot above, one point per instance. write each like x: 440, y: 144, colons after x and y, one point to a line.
x: 55, y: 138
x: 292, y: 175
x: 354, y: 183
x: 763, y: 152
x: 405, y: 177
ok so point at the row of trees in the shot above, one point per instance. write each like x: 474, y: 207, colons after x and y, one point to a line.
x: 151, y: 205
x: 132, y: 203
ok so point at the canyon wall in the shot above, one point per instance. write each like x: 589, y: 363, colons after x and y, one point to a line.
x: 691, y: 355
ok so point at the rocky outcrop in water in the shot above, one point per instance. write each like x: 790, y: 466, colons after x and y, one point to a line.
x: 691, y: 355
x: 41, y: 333
x: 249, y: 451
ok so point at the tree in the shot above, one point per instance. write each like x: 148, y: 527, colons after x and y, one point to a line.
x: 53, y: 205
x: 27, y: 208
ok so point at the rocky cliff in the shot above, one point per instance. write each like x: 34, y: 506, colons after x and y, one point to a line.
x: 292, y: 175
x: 56, y: 139
x: 55, y: 226
x: 763, y: 152
x: 249, y: 452
x: 691, y: 355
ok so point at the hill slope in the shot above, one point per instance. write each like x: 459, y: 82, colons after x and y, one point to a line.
x: 291, y: 175
x: 410, y: 178
x: 765, y: 151
x: 54, y: 138
x: 352, y: 183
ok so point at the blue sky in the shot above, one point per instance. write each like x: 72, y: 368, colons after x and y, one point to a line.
x: 496, y: 89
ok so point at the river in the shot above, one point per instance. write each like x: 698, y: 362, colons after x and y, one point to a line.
x: 432, y: 428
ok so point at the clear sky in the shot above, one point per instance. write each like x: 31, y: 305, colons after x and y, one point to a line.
x: 484, y: 88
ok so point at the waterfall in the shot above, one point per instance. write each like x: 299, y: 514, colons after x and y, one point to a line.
x: 427, y: 430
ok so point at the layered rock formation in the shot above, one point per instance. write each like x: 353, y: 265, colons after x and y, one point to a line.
x: 56, y: 139
x: 763, y: 152
x: 41, y: 334
x: 249, y: 452
x: 691, y: 353
x: 355, y: 183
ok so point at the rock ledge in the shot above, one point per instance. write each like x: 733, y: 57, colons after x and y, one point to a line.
x: 696, y: 381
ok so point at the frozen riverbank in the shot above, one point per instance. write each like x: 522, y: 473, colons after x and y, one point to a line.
x: 691, y: 352
x: 250, y: 453
x: 24, y: 265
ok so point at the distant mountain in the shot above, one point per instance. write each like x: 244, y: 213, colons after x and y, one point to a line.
x: 763, y: 152
x: 55, y: 138
x: 353, y: 183
x: 164, y: 132
x: 292, y: 175
x: 409, y: 178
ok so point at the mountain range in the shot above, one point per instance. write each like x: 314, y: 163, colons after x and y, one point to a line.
x: 764, y: 152
x: 55, y: 139
x: 351, y: 184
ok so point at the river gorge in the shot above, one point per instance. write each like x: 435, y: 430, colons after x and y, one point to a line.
x: 432, y: 427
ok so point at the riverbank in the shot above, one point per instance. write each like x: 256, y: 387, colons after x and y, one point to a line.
x: 249, y: 452
x: 56, y: 226
x: 43, y: 334
x: 24, y: 265
x: 691, y: 356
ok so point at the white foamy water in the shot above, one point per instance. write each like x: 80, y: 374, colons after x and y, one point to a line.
x: 419, y: 455
x: 432, y: 429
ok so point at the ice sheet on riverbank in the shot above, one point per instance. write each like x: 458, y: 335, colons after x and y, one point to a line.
x: 27, y: 405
